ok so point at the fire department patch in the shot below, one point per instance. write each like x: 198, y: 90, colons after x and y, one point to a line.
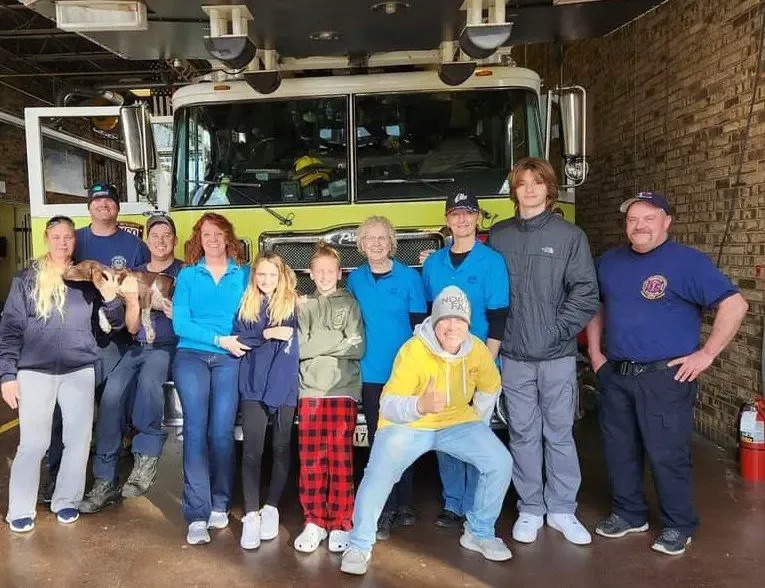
x: 654, y: 287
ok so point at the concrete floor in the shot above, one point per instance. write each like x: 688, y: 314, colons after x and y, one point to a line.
x: 141, y: 542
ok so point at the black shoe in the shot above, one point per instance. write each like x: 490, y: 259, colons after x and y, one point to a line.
x: 405, y: 517
x: 615, y: 527
x: 45, y: 493
x: 447, y: 519
x: 385, y: 525
x: 102, y: 494
x: 142, y: 477
x: 671, y: 542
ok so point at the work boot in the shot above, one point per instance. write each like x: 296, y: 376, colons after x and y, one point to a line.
x: 45, y: 493
x: 447, y: 519
x: 385, y: 525
x: 405, y: 517
x: 142, y: 477
x: 102, y: 494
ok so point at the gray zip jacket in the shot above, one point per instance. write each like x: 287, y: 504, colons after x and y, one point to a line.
x: 555, y: 288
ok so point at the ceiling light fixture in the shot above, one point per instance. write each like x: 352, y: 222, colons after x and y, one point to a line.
x: 325, y: 36
x: 101, y: 15
x: 391, y: 7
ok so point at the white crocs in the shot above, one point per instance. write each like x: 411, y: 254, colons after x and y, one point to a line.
x: 309, y: 540
x: 339, y: 541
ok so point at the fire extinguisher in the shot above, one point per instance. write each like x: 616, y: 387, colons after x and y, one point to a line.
x: 752, y: 440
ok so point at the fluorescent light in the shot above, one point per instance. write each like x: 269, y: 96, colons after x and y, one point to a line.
x: 101, y: 15
x: 141, y: 92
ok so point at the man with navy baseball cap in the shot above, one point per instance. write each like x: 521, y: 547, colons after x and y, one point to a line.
x: 653, y: 293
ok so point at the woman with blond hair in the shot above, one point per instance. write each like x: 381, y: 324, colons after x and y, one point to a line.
x: 391, y: 297
x: 47, y: 356
x: 208, y: 292
x: 268, y: 388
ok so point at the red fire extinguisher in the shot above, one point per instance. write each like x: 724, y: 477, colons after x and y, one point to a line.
x: 752, y: 441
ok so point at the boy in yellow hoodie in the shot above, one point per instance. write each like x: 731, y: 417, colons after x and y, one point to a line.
x: 440, y: 395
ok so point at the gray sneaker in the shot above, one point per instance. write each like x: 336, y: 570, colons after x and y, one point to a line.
x: 102, y: 494
x: 671, y: 542
x: 355, y: 561
x: 198, y: 534
x: 615, y: 527
x: 493, y: 549
x: 142, y: 477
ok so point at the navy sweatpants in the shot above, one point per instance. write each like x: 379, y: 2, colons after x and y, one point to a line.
x: 649, y: 414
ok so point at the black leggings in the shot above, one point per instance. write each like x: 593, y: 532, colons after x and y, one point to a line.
x: 254, y: 421
x: 402, y: 491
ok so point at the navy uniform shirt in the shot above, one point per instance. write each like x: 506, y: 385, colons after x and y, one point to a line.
x: 482, y: 276
x: 653, y: 301
x: 118, y: 251
x: 385, y: 305
x: 163, y: 326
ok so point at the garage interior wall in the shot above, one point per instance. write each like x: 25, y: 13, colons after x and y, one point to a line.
x: 13, y: 171
x: 669, y: 96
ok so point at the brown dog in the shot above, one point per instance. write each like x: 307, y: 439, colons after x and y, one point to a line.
x: 154, y: 290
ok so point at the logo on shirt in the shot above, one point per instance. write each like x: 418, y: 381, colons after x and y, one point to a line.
x: 654, y: 287
x: 119, y: 262
x: 472, y: 279
x: 548, y: 250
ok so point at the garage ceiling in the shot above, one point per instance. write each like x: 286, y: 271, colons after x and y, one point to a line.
x: 29, y: 43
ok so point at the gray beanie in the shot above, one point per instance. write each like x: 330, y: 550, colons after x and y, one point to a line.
x: 450, y: 302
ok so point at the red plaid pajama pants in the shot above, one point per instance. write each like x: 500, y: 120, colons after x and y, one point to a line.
x: 325, y: 442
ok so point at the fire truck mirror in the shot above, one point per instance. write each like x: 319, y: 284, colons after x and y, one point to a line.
x: 138, y: 137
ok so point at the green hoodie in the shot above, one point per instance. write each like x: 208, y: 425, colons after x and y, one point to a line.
x: 331, y: 343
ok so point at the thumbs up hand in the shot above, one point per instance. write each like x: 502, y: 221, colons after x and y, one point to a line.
x: 431, y: 401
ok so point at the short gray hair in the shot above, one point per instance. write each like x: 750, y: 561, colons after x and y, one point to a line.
x: 377, y: 220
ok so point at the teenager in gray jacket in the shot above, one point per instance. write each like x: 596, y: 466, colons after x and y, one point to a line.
x: 554, y: 295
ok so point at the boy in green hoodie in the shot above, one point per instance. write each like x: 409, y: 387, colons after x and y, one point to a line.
x: 330, y: 343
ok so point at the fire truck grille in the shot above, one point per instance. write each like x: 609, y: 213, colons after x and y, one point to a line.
x: 297, y: 252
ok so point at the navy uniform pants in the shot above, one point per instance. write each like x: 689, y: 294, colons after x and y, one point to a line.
x: 641, y: 415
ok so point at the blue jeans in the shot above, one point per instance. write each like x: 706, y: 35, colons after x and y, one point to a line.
x: 208, y: 387
x: 149, y: 367
x: 396, y: 447
x: 459, y: 480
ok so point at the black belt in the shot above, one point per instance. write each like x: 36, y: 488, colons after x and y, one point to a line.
x: 633, y: 368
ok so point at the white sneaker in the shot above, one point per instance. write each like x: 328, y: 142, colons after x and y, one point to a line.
x: 339, y: 541
x: 355, y: 561
x: 309, y: 540
x: 571, y: 528
x: 526, y: 527
x: 197, y: 533
x: 217, y: 520
x: 269, y: 522
x: 493, y: 549
x: 250, y: 530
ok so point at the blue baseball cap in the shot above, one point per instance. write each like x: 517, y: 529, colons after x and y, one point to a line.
x: 103, y: 190
x: 654, y: 198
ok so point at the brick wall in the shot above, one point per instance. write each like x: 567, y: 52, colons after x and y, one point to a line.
x: 669, y: 95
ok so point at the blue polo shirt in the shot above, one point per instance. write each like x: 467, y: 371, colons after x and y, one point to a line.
x: 482, y: 276
x: 385, y: 306
x: 203, y: 309
x: 119, y: 251
x: 653, y: 301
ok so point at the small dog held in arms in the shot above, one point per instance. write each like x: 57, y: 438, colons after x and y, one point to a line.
x: 155, y: 291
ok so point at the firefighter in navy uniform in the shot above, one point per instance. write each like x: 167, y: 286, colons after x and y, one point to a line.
x: 653, y: 294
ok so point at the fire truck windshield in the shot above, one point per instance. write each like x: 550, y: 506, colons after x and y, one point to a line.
x: 418, y: 146
x: 264, y: 152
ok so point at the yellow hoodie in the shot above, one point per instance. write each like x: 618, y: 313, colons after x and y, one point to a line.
x: 470, y: 374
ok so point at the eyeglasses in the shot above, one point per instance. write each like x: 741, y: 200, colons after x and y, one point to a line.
x: 52, y: 222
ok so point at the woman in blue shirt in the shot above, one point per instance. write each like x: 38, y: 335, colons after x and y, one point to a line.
x: 392, y: 300
x: 206, y: 367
